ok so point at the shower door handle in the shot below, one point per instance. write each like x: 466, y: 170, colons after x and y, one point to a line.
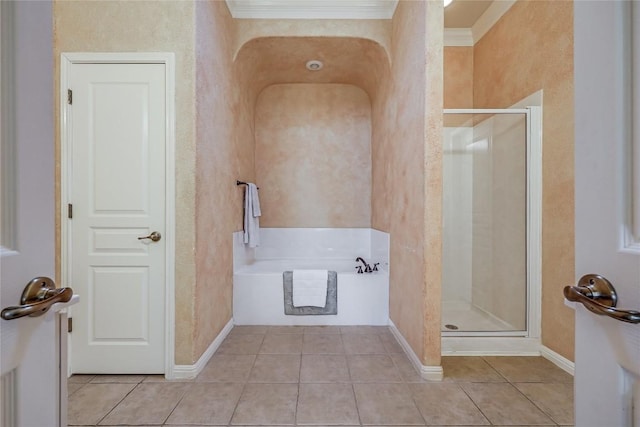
x: 599, y: 296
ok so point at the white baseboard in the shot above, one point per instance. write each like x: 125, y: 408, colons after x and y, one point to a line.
x: 558, y: 360
x: 430, y: 373
x: 192, y: 371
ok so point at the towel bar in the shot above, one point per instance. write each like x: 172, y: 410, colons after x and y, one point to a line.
x: 243, y: 183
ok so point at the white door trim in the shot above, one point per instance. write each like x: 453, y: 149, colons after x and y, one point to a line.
x: 168, y: 59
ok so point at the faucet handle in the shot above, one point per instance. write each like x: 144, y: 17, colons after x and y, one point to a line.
x: 359, y: 269
x: 375, y: 266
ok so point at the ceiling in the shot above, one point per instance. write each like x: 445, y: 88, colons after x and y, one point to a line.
x: 459, y: 14
x: 464, y: 13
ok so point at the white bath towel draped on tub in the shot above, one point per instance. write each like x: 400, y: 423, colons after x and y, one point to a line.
x: 310, y: 288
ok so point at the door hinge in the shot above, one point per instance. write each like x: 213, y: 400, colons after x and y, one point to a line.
x: 70, y: 324
x: 69, y: 96
x: 70, y: 210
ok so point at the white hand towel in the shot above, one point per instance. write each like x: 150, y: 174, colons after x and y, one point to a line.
x: 251, y: 214
x: 255, y: 199
x: 309, y: 288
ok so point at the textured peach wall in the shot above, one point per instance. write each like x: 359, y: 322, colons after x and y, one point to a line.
x: 224, y: 153
x: 458, y: 77
x: 124, y: 26
x: 535, y: 40
x: 406, y: 201
x: 433, y: 125
x: 313, y: 156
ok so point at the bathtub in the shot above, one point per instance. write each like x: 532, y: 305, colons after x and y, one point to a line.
x: 258, y: 296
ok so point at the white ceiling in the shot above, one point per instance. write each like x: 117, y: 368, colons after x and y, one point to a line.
x: 312, y: 9
x: 464, y: 13
x: 459, y: 14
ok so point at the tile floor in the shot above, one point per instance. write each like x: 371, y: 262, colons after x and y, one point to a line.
x: 328, y: 376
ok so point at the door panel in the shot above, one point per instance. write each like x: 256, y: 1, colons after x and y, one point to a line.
x: 28, y: 346
x: 118, y: 196
x: 607, y: 355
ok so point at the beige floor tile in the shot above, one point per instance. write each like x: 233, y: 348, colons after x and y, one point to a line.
x: 556, y: 400
x: 322, y: 329
x: 227, y: 368
x: 322, y: 344
x: 446, y: 404
x: 285, y: 330
x: 407, y: 371
x: 92, y: 402
x: 282, y: 344
x: 82, y: 379
x: 373, y: 368
x: 363, y: 344
x: 148, y: 403
x: 324, y: 368
x: 249, y: 329
x: 207, y: 403
x: 127, y: 379
x: 503, y: 404
x: 386, y: 404
x: 469, y: 370
x: 391, y: 343
x: 73, y: 387
x: 241, y: 344
x: 528, y: 369
x: 276, y: 368
x: 162, y: 379
x: 364, y: 329
x: 267, y: 404
x: 327, y: 404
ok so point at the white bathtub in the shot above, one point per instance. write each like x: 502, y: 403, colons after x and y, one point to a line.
x: 258, y: 296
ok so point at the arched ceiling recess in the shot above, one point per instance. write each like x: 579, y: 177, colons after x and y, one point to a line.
x: 266, y: 61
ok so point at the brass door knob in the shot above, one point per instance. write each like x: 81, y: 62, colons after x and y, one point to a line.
x: 154, y: 236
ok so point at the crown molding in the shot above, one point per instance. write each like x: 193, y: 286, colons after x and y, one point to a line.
x: 458, y: 37
x: 490, y: 17
x: 312, y: 9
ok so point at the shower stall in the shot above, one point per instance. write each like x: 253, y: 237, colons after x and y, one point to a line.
x: 491, y: 231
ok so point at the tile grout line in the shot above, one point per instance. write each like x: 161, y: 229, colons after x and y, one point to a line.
x: 534, y: 403
x: 116, y: 405
x: 353, y: 386
x: 519, y: 391
x: 474, y: 402
x: 178, y: 403
x: 246, y: 381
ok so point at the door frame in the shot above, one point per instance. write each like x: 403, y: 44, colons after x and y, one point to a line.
x: 67, y: 60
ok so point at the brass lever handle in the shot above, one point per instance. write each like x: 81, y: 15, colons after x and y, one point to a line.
x: 154, y: 236
x: 599, y: 296
x: 37, y: 298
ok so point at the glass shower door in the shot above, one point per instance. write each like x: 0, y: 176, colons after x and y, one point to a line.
x: 484, y: 278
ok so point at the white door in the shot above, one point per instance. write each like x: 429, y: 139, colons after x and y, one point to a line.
x: 29, y: 347
x: 607, y: 352
x: 117, y: 191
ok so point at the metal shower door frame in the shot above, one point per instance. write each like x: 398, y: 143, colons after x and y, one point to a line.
x: 533, y: 118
